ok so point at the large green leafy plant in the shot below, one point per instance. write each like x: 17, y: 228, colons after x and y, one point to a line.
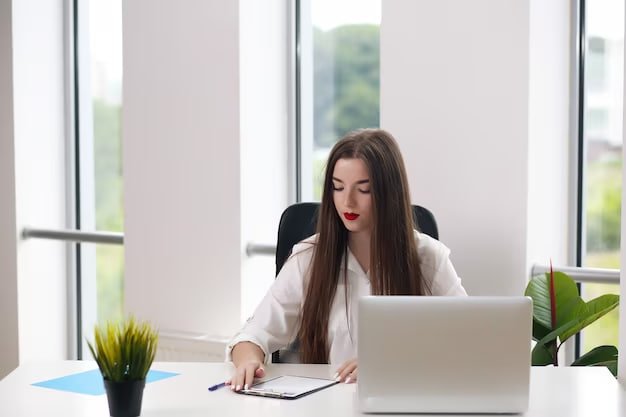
x: 124, y: 351
x: 559, y: 313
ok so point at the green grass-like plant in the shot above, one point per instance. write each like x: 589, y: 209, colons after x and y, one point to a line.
x: 124, y: 351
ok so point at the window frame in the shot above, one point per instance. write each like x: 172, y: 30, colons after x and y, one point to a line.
x: 578, y: 226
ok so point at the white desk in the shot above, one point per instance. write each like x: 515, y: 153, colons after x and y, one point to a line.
x: 567, y: 392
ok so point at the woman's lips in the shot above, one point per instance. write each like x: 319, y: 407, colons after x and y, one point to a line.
x: 350, y: 216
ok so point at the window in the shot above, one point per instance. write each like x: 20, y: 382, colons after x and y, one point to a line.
x: 336, y: 61
x: 105, y: 23
x: 99, y: 95
x: 602, y: 167
x: 339, y: 81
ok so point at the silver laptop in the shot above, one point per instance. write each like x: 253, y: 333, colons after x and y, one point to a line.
x: 444, y: 354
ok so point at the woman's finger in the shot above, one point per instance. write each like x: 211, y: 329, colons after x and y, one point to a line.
x: 346, y: 369
x: 244, y: 376
x: 352, y: 377
x: 344, y: 366
x: 249, y: 376
x: 238, y: 378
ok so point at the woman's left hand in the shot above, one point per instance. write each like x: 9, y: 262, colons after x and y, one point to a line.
x: 347, y: 372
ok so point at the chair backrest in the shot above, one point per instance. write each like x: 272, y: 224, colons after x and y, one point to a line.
x: 298, y: 222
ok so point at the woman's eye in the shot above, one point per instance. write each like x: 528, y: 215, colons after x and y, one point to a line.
x: 337, y: 188
x: 364, y: 191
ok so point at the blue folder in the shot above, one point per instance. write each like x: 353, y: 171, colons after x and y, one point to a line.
x: 90, y: 382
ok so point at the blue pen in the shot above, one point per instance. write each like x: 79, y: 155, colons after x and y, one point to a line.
x: 217, y: 386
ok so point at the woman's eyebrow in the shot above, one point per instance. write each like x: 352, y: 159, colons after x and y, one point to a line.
x: 365, y: 181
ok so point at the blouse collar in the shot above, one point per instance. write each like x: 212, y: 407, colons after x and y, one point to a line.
x: 353, y: 264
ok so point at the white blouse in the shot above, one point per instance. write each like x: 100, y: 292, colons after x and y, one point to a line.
x: 276, y: 319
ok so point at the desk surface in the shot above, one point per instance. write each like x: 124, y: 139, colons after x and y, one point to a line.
x: 563, y: 391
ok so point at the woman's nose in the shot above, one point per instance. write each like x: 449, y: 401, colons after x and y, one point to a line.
x: 349, y: 202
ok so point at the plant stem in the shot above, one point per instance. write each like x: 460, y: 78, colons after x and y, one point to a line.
x: 555, y: 353
x: 553, y: 347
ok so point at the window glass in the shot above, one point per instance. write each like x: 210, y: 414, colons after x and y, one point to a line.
x: 602, y: 135
x: 105, y: 47
x: 345, y: 77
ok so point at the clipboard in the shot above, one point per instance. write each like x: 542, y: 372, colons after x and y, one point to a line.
x: 288, y: 387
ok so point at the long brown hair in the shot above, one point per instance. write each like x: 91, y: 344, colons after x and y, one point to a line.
x: 394, y: 262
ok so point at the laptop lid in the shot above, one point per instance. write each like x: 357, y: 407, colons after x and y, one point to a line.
x: 444, y: 354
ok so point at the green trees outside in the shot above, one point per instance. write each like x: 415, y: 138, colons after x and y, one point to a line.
x: 603, y: 214
x: 108, y: 166
x: 109, y: 208
x: 346, y: 85
x: 346, y: 81
x: 604, y: 197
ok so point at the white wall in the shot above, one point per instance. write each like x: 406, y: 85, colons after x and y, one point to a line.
x: 483, y: 126
x: 264, y: 94
x: 549, y: 136
x: 181, y: 162
x: 8, y: 231
x: 33, y: 279
x: 454, y: 92
x: 40, y: 176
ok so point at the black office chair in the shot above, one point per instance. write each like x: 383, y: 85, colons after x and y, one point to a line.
x: 298, y: 222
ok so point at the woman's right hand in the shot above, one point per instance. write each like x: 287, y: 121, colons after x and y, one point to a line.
x: 248, y: 360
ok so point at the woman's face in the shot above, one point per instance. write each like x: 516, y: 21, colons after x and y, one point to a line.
x: 351, y: 194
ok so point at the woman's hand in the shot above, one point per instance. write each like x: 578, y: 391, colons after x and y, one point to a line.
x: 347, y: 372
x: 248, y: 360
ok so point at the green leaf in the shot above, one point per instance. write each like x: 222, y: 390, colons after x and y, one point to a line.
x: 590, y: 312
x: 572, y: 315
x: 551, y: 339
x: 541, y: 355
x: 612, y: 365
x: 567, y: 299
x: 596, y: 356
x: 569, y: 306
x: 554, y: 334
x: 539, y: 331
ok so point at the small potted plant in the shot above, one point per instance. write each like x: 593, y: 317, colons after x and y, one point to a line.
x: 124, y: 353
x: 559, y: 313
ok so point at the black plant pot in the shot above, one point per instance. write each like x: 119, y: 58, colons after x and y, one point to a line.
x: 124, y: 397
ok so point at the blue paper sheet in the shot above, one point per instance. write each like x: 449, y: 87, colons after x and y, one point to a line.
x: 90, y: 382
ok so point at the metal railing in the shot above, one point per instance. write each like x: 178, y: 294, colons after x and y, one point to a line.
x: 585, y: 275
x: 260, y: 249
x: 115, y: 238
x: 79, y: 236
x: 579, y: 274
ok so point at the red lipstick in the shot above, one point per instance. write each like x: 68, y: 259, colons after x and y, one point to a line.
x: 350, y: 216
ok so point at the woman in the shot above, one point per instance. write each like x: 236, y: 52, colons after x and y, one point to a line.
x: 365, y: 244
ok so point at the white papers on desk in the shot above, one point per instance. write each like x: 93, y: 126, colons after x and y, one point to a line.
x: 288, y: 386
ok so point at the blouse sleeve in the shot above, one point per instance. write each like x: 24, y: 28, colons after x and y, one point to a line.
x: 274, y: 322
x: 437, y: 268
x: 446, y: 281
